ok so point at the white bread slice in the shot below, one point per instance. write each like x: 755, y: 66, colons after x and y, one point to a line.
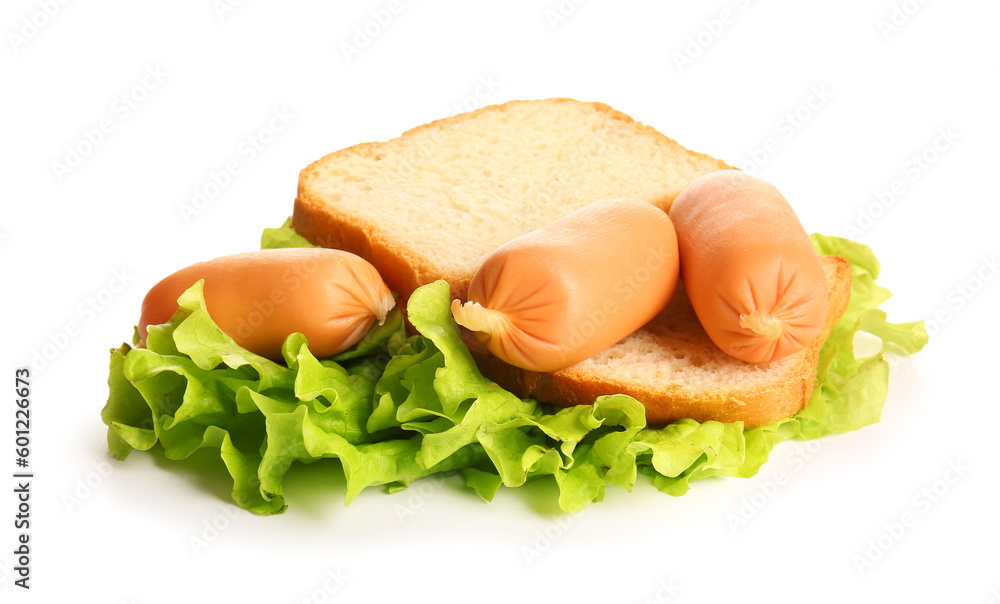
x: 433, y: 203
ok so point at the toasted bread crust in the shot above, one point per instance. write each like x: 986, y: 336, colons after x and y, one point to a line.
x: 402, y: 269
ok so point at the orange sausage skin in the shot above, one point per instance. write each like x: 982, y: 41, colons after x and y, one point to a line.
x: 753, y: 277
x: 259, y: 298
x: 562, y: 293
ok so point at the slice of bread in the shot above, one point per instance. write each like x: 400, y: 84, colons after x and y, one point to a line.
x: 674, y: 369
x: 433, y: 203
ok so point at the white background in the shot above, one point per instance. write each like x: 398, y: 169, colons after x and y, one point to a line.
x: 868, y: 97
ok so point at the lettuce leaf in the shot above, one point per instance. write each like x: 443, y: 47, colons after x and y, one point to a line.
x: 397, y: 408
x: 283, y: 236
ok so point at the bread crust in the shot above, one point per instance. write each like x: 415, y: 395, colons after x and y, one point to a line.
x: 402, y: 269
x: 753, y: 405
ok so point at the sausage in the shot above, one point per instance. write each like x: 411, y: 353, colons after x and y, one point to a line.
x: 259, y: 298
x: 562, y: 293
x: 753, y: 277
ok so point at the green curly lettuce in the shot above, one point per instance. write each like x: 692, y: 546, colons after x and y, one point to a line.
x: 396, y: 408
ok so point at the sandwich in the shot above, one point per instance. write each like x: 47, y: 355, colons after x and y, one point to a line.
x: 419, y: 395
x: 424, y: 207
